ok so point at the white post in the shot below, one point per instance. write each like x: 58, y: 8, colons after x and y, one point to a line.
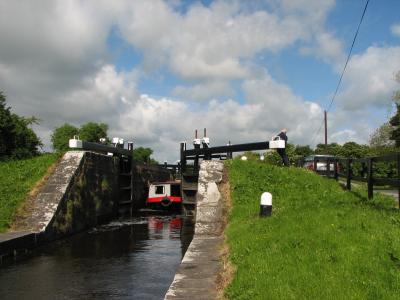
x: 266, y: 205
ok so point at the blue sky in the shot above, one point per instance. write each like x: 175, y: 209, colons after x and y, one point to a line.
x: 157, y: 70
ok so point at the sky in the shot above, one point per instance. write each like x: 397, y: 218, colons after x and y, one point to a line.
x: 156, y: 70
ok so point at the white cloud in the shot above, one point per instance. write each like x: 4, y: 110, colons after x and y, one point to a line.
x: 52, y: 34
x: 162, y: 123
x: 327, y: 47
x: 213, y: 42
x: 344, y: 136
x: 369, y: 79
x: 99, y: 94
x: 316, y: 9
x: 204, y: 90
x: 357, y: 132
x: 103, y: 96
x: 395, y: 29
x: 280, y: 108
x: 49, y: 50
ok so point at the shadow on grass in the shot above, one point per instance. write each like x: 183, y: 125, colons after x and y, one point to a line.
x: 379, y: 202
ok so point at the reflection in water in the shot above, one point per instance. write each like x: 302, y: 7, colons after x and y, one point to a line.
x: 129, y: 259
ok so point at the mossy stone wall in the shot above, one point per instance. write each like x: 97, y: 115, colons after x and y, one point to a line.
x: 91, y: 197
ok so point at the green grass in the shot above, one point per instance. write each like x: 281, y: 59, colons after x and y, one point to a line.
x: 16, y: 180
x: 322, y: 242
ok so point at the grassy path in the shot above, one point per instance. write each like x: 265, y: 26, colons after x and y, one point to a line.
x: 321, y: 243
x: 17, y: 178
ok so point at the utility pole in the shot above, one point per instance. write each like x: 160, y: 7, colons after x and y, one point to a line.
x: 326, y: 128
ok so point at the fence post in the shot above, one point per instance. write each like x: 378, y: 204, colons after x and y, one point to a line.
x: 328, y: 167
x: 398, y: 175
x: 315, y: 164
x: 229, y: 154
x: 370, y: 179
x: 362, y: 173
x: 348, y: 174
x: 335, y: 168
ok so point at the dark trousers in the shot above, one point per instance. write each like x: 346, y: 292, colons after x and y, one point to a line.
x: 285, y: 158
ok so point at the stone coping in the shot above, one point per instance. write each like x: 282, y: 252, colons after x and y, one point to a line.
x: 197, y: 274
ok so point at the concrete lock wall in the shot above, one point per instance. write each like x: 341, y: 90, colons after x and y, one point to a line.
x: 197, y: 275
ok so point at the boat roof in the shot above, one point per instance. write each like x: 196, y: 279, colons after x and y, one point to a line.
x: 166, y: 182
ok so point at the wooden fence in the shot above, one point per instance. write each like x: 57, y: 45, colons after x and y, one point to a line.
x: 344, y: 168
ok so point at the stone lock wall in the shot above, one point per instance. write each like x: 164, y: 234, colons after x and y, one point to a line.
x: 91, y: 196
x: 197, y: 275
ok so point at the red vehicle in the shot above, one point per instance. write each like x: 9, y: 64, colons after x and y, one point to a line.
x: 321, y: 163
x: 164, y: 194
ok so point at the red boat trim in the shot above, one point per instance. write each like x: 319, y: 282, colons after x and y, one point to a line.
x: 158, y: 199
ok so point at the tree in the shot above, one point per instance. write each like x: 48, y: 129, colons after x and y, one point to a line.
x: 17, y: 140
x: 93, y: 132
x: 381, y: 136
x: 26, y: 140
x: 353, y: 150
x: 396, y: 95
x: 331, y: 149
x: 90, y: 132
x: 61, y: 136
x: 395, y: 120
x: 142, y: 155
x: 303, y: 151
x: 6, y: 128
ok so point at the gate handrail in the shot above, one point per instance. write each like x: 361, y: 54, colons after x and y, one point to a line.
x: 90, y: 146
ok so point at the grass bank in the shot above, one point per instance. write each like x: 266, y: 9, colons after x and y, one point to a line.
x: 321, y: 243
x: 17, y: 178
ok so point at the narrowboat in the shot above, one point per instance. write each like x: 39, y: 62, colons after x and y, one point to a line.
x: 164, y: 195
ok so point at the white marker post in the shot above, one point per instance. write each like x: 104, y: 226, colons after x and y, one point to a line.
x: 266, y: 205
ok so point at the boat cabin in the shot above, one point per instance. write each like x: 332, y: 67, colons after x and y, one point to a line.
x: 164, y: 194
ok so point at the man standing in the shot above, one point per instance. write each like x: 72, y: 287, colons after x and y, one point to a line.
x: 282, y: 151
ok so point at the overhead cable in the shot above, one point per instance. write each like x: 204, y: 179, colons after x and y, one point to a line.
x: 344, y: 68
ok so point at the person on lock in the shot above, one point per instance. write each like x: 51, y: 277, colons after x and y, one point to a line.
x: 282, y: 151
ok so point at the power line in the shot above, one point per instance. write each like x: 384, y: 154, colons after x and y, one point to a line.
x: 344, y: 68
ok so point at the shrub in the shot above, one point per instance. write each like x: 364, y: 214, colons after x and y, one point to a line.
x: 17, y: 140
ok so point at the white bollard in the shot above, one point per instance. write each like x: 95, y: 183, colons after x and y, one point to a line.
x: 266, y: 205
